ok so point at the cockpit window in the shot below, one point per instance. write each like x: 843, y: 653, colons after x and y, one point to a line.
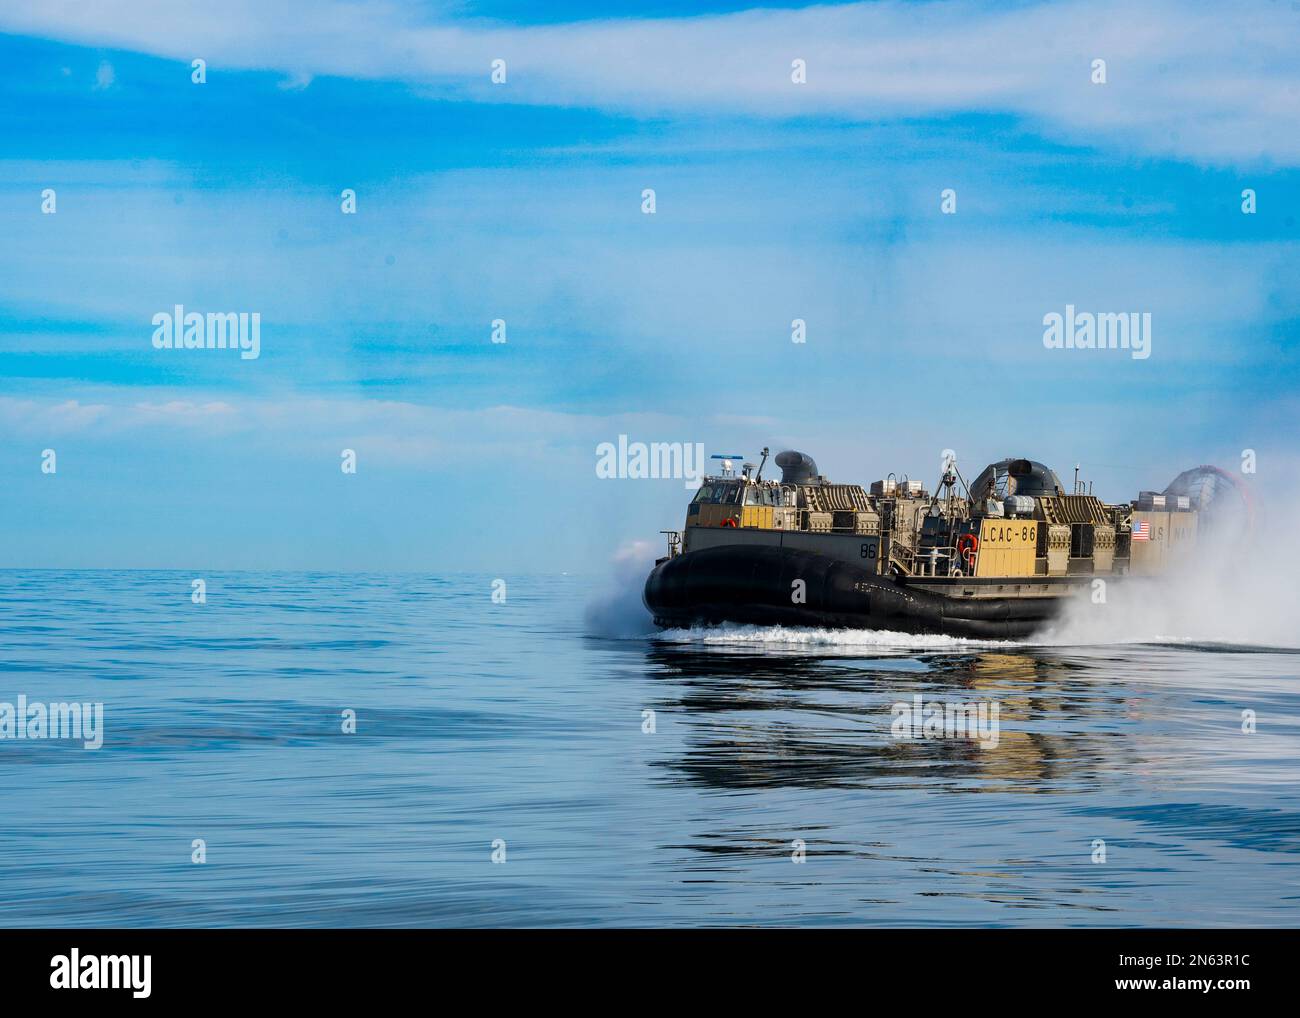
x: 715, y: 493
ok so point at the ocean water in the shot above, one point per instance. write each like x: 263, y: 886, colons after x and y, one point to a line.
x: 510, y: 723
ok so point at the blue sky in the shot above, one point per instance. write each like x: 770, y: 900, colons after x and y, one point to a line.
x: 522, y: 201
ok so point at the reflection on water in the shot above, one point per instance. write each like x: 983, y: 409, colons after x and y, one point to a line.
x: 792, y: 719
x: 637, y: 781
x: 1140, y: 747
x: 797, y: 721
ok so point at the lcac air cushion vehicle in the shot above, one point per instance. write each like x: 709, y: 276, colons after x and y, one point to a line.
x: 996, y: 560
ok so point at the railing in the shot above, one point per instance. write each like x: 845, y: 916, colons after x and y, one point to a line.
x: 927, y: 562
x: 674, y: 542
x: 903, y: 557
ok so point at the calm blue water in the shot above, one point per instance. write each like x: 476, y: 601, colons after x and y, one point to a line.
x: 479, y: 721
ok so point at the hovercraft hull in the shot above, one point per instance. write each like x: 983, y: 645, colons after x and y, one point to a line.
x: 759, y: 585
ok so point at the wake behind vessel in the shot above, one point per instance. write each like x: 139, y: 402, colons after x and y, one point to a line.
x: 995, y: 560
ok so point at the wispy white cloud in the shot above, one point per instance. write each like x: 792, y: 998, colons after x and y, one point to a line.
x: 1195, y: 80
x: 567, y: 256
x: 393, y: 431
x: 46, y: 417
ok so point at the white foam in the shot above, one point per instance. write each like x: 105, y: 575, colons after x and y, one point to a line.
x: 825, y: 640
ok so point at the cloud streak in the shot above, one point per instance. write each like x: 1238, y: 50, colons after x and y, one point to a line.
x: 1194, y: 81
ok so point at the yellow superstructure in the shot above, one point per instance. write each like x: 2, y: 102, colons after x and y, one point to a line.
x: 1007, y: 547
x: 756, y: 516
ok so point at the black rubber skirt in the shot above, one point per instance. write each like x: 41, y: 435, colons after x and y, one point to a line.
x: 758, y: 585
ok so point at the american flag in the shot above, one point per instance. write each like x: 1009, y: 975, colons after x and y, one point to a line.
x: 1142, y: 530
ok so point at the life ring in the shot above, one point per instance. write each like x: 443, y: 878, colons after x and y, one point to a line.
x: 728, y: 522
x: 967, y: 546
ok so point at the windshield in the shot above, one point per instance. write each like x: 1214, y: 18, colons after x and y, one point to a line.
x: 716, y: 493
